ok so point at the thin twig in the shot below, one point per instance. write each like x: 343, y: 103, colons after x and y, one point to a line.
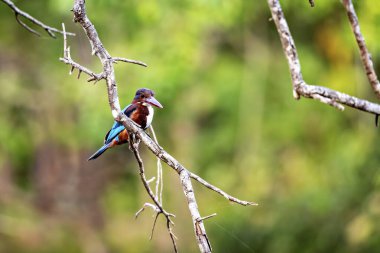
x: 364, y: 53
x: 26, y: 26
x: 207, y: 217
x: 50, y: 30
x: 146, y: 185
x: 300, y: 87
x: 116, y: 59
x: 67, y: 60
x: 160, y: 180
x: 328, y: 101
x: 221, y: 192
x: 169, y: 222
x: 151, y: 180
x: 155, y: 208
x: 154, y: 226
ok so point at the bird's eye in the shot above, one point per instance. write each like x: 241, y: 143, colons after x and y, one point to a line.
x: 142, y: 96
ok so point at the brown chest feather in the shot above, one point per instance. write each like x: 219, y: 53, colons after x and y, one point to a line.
x: 140, y: 115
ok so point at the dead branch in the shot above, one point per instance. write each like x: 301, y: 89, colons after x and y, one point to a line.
x: 364, y: 53
x: 116, y: 59
x: 300, y: 87
x: 50, y: 30
x: 160, y: 179
x: 177, y: 166
x: 74, y: 65
x: 216, y: 189
x: 208, y: 216
x: 159, y: 209
x: 108, y: 75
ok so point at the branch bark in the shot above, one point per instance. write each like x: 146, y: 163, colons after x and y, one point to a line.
x: 109, y: 75
x: 300, y: 87
x: 159, y: 209
x: 50, y: 30
x: 364, y: 53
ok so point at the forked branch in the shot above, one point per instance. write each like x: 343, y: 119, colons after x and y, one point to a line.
x: 158, y: 207
x: 50, y: 30
x: 300, y: 87
x: 74, y: 65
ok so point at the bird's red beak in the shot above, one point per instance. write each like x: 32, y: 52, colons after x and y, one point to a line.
x: 154, y: 102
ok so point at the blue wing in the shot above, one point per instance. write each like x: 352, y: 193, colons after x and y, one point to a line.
x: 117, y: 127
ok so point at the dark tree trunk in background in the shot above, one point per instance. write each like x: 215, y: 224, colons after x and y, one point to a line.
x: 67, y: 186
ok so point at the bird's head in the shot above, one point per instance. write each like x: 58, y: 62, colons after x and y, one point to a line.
x: 145, y: 97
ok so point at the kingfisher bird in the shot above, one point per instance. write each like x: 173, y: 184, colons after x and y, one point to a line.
x: 140, y: 111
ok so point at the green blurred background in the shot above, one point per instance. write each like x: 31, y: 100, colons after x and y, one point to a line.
x: 229, y: 116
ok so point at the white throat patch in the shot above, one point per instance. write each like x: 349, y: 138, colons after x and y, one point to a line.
x: 150, y: 116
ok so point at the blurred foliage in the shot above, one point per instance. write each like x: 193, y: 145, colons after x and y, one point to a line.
x: 219, y: 70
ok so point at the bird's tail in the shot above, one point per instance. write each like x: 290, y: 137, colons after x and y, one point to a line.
x: 99, y: 152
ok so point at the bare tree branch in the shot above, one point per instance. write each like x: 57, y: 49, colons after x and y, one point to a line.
x: 116, y: 59
x: 25, y: 26
x: 216, y: 189
x: 160, y: 179
x: 338, y: 97
x: 50, y: 30
x: 364, y: 53
x: 109, y: 75
x: 300, y: 87
x: 207, y: 217
x: 185, y: 176
x: 159, y: 209
x: 328, y: 101
x: 67, y: 60
x: 74, y: 65
x: 172, y: 162
x: 145, y: 206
